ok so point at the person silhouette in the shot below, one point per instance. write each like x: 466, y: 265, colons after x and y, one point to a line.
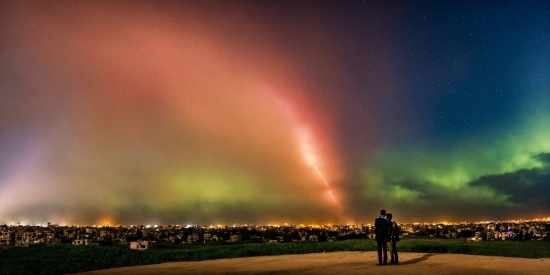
x: 394, y: 238
x: 381, y: 229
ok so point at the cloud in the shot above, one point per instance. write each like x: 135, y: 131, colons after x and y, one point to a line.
x: 524, y: 186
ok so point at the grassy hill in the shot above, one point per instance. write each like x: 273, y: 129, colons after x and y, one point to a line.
x: 56, y: 259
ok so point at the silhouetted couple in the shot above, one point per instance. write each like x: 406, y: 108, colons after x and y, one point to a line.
x: 386, y: 231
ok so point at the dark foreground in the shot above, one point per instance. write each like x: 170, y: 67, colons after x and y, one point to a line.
x: 346, y: 263
x: 62, y: 259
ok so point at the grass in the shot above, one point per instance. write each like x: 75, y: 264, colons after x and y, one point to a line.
x: 529, y: 249
x: 56, y: 259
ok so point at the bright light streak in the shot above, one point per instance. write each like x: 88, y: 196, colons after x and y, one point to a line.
x: 307, y: 146
x: 311, y: 159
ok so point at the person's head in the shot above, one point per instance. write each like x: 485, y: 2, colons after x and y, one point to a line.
x: 389, y: 216
x: 383, y: 212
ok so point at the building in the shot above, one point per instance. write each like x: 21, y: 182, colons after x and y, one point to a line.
x: 477, y: 237
x: 235, y: 238
x: 314, y: 238
x: 141, y: 245
x: 7, y: 238
x: 193, y: 237
x: 81, y: 242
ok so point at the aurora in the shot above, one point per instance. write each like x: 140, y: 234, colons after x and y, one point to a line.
x: 229, y: 112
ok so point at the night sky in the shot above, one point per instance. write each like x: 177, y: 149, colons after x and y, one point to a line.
x: 230, y: 112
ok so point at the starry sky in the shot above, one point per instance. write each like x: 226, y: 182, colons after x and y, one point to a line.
x: 266, y: 112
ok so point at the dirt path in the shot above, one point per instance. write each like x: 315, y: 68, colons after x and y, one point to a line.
x: 341, y: 263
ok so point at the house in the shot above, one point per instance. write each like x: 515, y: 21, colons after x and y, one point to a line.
x: 314, y: 238
x: 7, y: 238
x: 81, y: 242
x: 193, y: 237
x: 235, y: 238
x: 477, y: 237
x: 141, y: 245
x: 24, y: 239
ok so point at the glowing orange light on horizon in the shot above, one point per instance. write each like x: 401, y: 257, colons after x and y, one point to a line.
x: 105, y: 221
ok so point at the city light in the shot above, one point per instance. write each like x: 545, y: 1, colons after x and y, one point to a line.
x: 520, y: 229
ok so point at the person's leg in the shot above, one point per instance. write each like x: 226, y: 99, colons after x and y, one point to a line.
x: 379, y: 245
x: 385, y: 250
x: 395, y: 253
x: 390, y: 248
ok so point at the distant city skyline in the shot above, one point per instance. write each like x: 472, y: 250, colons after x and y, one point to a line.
x: 221, y: 112
x: 544, y: 219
